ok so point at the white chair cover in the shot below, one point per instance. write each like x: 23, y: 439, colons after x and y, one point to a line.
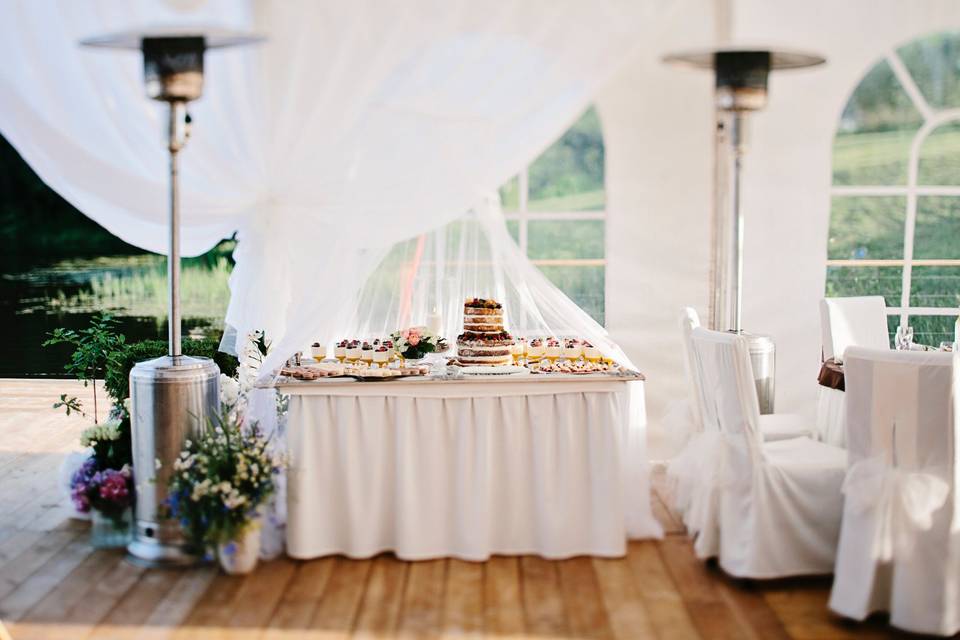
x: 857, y: 321
x: 846, y: 322
x: 778, y: 505
x: 686, y: 472
x: 900, y: 541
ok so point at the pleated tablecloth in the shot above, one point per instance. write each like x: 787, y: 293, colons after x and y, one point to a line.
x: 467, y: 469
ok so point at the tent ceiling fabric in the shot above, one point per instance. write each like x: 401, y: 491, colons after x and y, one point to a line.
x: 356, y: 125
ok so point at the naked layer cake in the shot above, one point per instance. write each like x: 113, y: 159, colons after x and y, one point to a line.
x: 484, y: 340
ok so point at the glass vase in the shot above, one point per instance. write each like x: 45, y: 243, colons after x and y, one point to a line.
x: 108, y: 533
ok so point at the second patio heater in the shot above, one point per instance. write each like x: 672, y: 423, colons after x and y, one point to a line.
x: 741, y: 88
x: 172, y: 396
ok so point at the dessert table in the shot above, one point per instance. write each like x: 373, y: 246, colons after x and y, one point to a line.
x: 553, y: 465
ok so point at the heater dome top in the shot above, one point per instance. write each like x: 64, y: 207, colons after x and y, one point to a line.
x: 779, y: 58
x: 213, y: 37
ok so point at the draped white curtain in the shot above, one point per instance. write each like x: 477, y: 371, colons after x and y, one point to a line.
x: 356, y: 125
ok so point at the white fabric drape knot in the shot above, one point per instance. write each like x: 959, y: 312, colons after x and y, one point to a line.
x: 873, y: 484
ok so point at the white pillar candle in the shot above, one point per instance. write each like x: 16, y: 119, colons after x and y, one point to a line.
x: 435, y: 322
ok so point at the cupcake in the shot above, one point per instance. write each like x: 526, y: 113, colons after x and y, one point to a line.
x: 381, y: 355
x: 366, y: 352
x: 572, y: 349
x: 318, y: 352
x: 535, y: 349
x: 340, y: 351
x: 591, y: 353
x: 553, y: 349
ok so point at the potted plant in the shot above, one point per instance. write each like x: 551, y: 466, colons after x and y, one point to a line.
x: 219, y: 482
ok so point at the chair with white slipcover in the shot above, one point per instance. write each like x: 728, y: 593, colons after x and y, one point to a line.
x: 859, y: 321
x: 778, y: 505
x: 900, y: 538
x: 691, y: 480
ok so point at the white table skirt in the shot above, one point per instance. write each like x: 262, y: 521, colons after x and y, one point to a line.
x: 467, y: 469
x: 832, y: 416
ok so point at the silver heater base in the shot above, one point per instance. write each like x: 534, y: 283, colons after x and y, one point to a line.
x: 763, y: 358
x: 172, y: 399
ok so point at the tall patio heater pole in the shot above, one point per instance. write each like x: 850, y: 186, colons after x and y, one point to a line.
x: 741, y: 87
x: 172, y: 396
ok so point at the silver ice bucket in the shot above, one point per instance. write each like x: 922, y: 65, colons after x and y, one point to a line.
x: 171, y: 399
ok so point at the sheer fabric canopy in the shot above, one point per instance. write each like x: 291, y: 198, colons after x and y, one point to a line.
x: 474, y: 256
x: 355, y: 126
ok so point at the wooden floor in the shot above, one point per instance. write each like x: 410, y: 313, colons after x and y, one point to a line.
x: 53, y: 585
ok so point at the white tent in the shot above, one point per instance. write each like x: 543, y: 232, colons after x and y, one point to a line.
x: 657, y: 123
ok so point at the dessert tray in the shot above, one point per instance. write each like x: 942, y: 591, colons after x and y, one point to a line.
x: 576, y: 368
x: 500, y: 370
x: 360, y: 372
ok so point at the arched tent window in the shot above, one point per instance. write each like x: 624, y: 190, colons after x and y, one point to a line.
x: 555, y: 212
x: 895, y: 218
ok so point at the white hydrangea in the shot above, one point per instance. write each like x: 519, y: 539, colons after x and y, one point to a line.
x: 104, y: 432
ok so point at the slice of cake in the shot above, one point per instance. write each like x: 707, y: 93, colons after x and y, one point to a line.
x: 484, y: 340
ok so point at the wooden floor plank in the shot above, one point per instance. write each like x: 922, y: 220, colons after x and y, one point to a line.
x: 583, y: 600
x: 463, y: 600
x: 710, y: 613
x: 668, y: 614
x: 628, y: 616
x: 258, y: 598
x: 503, y: 603
x: 422, y: 609
x: 132, y: 610
x: 379, y: 612
x: 210, y: 616
x: 171, y: 611
x: 340, y: 603
x: 300, y: 599
x: 543, y: 610
x: 60, y: 560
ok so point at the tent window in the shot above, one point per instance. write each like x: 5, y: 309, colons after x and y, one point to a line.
x: 895, y: 212
x: 555, y: 210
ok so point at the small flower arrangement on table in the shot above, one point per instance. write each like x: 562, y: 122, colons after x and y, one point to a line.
x: 218, y: 484
x: 416, y: 342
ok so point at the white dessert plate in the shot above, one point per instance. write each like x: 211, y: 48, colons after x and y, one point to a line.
x: 508, y: 370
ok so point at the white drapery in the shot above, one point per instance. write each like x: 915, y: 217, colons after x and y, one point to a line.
x: 354, y: 126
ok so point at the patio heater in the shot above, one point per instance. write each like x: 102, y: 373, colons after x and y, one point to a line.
x: 740, y: 88
x: 174, y: 395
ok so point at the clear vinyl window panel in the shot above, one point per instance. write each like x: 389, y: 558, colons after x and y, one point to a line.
x: 895, y: 211
x: 556, y: 214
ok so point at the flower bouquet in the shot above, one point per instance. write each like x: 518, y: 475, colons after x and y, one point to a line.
x: 415, y: 343
x: 219, y: 481
x: 108, y: 493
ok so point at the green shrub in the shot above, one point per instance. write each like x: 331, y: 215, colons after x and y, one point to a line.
x: 117, y: 378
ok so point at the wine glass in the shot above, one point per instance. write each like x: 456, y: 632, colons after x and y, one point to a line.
x: 904, y: 339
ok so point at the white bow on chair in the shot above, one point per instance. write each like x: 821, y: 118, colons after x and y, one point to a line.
x: 908, y: 497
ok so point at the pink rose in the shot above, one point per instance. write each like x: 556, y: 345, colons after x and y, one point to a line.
x: 405, y: 334
x: 413, y: 340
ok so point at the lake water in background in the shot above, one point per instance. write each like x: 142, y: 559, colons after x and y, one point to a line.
x: 37, y: 297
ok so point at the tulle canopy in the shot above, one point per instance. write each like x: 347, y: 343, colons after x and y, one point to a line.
x: 355, y: 126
